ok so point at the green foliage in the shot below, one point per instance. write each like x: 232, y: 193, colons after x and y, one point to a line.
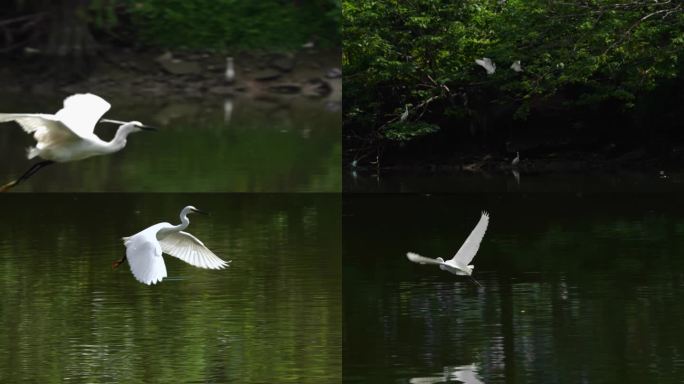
x: 406, y: 131
x: 572, y: 53
x: 226, y: 24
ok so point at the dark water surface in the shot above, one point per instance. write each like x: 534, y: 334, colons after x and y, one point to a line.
x: 273, y: 316
x: 216, y: 145
x: 364, y: 180
x: 578, y: 288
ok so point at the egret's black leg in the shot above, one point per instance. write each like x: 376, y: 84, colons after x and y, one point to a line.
x: 30, y: 172
x: 118, y: 262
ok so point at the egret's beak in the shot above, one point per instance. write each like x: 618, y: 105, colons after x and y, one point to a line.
x: 148, y: 128
x: 200, y: 212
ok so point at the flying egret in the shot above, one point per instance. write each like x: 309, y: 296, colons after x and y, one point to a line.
x: 69, y: 134
x: 487, y: 64
x: 516, y: 66
x: 230, y: 70
x: 404, y: 115
x: 144, y: 250
x: 458, y: 265
x: 516, y: 160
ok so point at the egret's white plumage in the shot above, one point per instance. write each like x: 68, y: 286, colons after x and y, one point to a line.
x: 516, y: 66
x: 230, y: 70
x: 69, y: 134
x: 487, y: 64
x: 516, y: 160
x: 144, y: 250
x: 459, y: 264
x: 404, y: 115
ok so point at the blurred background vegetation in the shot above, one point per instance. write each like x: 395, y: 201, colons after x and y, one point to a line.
x: 605, y: 74
x: 217, y: 25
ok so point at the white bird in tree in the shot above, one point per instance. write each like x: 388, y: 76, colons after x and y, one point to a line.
x: 487, y: 64
x: 516, y: 66
x: 230, y: 70
x: 516, y: 160
x: 404, y: 115
x: 144, y: 250
x: 69, y: 134
x: 458, y: 265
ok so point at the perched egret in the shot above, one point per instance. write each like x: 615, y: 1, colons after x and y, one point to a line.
x: 144, y: 250
x: 404, y: 115
x: 458, y: 265
x: 230, y: 70
x: 516, y: 66
x: 69, y: 134
x: 487, y: 64
x: 516, y: 160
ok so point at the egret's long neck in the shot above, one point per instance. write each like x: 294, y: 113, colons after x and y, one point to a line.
x: 184, y: 221
x: 119, y: 140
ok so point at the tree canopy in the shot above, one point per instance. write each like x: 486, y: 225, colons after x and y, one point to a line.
x: 575, y: 56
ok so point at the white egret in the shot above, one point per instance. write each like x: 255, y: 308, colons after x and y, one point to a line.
x: 230, y: 70
x: 487, y: 64
x: 144, y: 250
x: 458, y: 265
x: 516, y: 160
x: 69, y: 134
x: 404, y: 115
x: 516, y: 66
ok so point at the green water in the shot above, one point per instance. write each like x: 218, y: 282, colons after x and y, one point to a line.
x: 273, y: 316
x: 262, y: 145
x: 578, y: 288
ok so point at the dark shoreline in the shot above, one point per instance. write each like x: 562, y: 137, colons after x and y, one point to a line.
x: 155, y: 72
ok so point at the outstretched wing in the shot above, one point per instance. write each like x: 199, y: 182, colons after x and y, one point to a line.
x: 416, y: 258
x: 145, y: 257
x: 46, y: 129
x: 469, y: 248
x: 189, y: 249
x: 81, y: 113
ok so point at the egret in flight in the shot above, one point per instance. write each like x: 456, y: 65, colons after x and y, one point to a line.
x: 144, y: 250
x: 69, y: 134
x: 458, y: 265
x: 487, y: 64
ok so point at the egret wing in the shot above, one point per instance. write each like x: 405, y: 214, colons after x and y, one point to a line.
x: 469, y: 248
x: 81, y: 113
x: 191, y: 250
x: 145, y: 258
x: 416, y: 258
x: 46, y: 129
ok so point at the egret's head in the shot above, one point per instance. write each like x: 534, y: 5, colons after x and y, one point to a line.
x: 191, y: 209
x: 137, y: 126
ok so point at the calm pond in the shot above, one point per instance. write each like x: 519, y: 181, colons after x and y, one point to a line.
x: 578, y: 288
x: 274, y: 316
x: 391, y: 181
x: 219, y: 145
